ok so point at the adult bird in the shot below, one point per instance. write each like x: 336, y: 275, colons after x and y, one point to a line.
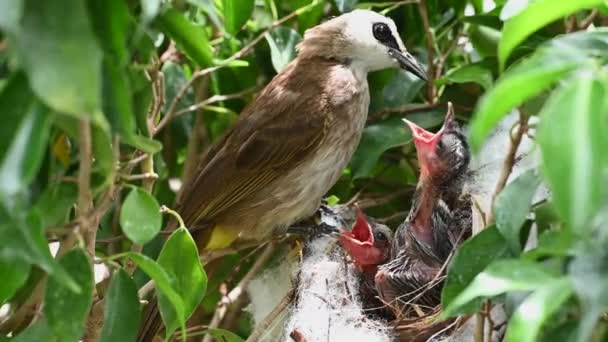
x: 290, y: 146
x: 440, y: 218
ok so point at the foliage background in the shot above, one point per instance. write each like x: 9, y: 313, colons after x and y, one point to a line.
x: 106, y: 105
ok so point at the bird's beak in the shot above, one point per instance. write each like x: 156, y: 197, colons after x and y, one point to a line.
x: 423, y: 137
x: 408, y: 62
x: 361, y: 234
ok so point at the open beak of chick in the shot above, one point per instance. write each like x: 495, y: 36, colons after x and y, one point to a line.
x: 426, y: 144
x: 408, y: 62
x: 360, y: 243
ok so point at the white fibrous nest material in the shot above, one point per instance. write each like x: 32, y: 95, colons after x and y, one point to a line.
x: 488, y: 163
x: 327, y: 307
x: 265, y: 293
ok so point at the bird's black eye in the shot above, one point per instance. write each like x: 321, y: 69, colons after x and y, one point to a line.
x: 379, y: 236
x: 382, y: 32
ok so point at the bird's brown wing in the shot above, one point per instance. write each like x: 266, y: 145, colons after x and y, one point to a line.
x: 261, y: 147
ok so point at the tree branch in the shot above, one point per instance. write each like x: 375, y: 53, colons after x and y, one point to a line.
x: 509, y: 162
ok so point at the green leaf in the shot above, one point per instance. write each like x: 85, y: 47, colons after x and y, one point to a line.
x: 236, y: 14
x: 553, y: 243
x: 179, y: 258
x: 513, y: 205
x: 224, y: 335
x: 479, y: 73
x: 524, y: 81
x: 14, y: 98
x: 60, y: 57
x: 14, y: 274
x: 122, y: 311
x: 534, y: 17
x: 56, y: 202
x: 29, y: 122
x: 189, y: 38
x: 140, y: 216
x: 526, y: 323
x: 345, y: 5
x: 282, y: 41
x: 23, y: 239
x: 574, y: 161
x: 501, y: 276
x: 384, y: 135
x: 472, y: 257
x: 39, y: 331
x: 589, y: 274
x: 65, y: 310
x: 163, y: 283
x: 110, y: 21
x: 104, y: 163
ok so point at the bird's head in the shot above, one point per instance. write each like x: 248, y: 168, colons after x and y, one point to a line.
x: 442, y: 155
x: 368, y: 243
x: 364, y: 38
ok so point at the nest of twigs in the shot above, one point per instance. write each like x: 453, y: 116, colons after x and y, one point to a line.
x: 424, y: 328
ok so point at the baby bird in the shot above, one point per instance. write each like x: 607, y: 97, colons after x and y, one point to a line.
x: 440, y: 218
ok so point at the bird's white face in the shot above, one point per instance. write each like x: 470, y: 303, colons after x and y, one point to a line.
x: 375, y: 43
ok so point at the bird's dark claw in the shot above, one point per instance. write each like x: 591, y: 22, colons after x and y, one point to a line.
x: 313, y: 231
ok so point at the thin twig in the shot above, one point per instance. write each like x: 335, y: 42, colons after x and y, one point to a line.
x: 238, y: 290
x: 509, y: 162
x: 216, y: 98
x: 588, y: 20
x: 261, y: 328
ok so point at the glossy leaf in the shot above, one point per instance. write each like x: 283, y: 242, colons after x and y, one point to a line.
x: 26, y: 144
x: 588, y: 273
x: 179, y: 258
x: 39, y: 331
x: 500, y: 277
x: 472, y: 257
x: 522, y: 82
x: 122, y: 311
x: 65, y: 310
x: 23, y: 239
x: 553, y: 243
x: 534, y: 17
x: 479, y: 73
x: 55, y: 204
x: 236, y: 14
x: 282, y: 41
x: 14, y: 274
x: 189, y: 38
x: 224, y: 335
x: 513, y: 205
x: 387, y: 134
x: 60, y: 57
x: 526, y: 323
x: 140, y: 216
x: 164, y: 285
x: 574, y: 162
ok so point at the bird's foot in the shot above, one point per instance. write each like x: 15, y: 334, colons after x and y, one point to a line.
x: 313, y: 231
